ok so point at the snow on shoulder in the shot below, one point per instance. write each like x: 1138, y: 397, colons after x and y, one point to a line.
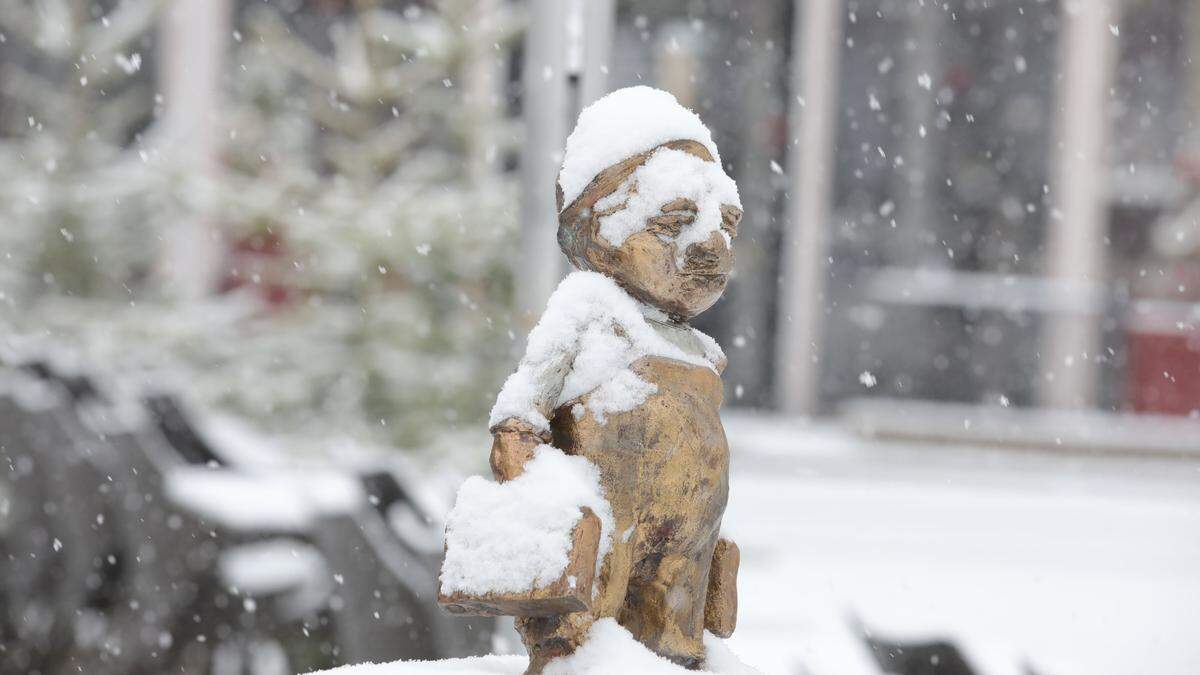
x: 584, y: 344
x: 609, y: 650
x: 516, y: 536
x: 620, y: 125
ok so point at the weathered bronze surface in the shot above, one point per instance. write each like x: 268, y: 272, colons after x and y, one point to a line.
x: 664, y: 465
x: 720, y: 610
x: 513, y: 443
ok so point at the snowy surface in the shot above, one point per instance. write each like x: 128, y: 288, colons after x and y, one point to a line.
x: 29, y: 393
x: 1072, y: 563
x: 1076, y: 564
x: 237, y: 443
x: 515, y: 536
x: 273, y: 566
x: 475, y: 665
x: 666, y: 176
x: 283, y: 500
x: 610, y: 650
x: 622, y: 124
x: 586, y: 341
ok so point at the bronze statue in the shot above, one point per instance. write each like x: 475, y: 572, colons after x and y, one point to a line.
x: 657, y: 440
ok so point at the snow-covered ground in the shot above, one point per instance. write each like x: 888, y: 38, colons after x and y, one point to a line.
x: 1069, y: 563
x: 1077, y: 565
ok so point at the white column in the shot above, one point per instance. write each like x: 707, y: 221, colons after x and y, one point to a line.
x: 194, y: 35
x: 1078, y: 220
x: 747, y: 300
x: 598, y: 20
x: 813, y: 127
x: 914, y: 185
x: 540, y: 264
x: 567, y: 49
x: 482, y: 71
x: 1192, y: 54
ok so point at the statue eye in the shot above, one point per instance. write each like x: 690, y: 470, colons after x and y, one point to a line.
x: 670, y: 225
x: 682, y: 204
x: 731, y: 216
x: 676, y: 214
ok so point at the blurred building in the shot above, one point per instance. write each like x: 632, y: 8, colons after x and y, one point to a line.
x: 300, y: 211
x: 994, y: 202
x: 1005, y: 184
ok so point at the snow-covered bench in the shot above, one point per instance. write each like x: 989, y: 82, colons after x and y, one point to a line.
x: 201, y: 526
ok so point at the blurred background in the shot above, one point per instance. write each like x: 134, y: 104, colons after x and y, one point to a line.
x: 265, y: 263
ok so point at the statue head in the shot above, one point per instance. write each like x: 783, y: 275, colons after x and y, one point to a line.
x: 661, y: 220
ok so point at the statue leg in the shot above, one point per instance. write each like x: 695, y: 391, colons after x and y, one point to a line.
x: 549, y: 637
x: 720, y: 609
x: 664, y: 606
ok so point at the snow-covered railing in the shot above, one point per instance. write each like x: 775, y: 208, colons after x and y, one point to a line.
x: 983, y: 291
x: 1059, y: 430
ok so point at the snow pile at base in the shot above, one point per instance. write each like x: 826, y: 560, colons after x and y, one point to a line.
x: 610, y: 650
x: 666, y: 176
x: 620, y: 125
x: 515, y: 536
x: 586, y: 341
x: 471, y: 665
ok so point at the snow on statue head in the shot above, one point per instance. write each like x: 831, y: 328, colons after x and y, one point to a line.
x: 643, y: 200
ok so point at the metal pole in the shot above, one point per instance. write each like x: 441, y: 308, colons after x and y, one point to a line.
x: 566, y: 52
x: 194, y: 38
x: 544, y: 106
x: 754, y: 279
x: 818, y: 36
x: 1078, y: 223
x: 599, y: 19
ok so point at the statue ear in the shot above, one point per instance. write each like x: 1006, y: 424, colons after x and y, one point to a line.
x: 576, y: 230
x: 567, y: 240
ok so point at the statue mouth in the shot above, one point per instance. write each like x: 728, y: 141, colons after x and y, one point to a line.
x: 714, y: 279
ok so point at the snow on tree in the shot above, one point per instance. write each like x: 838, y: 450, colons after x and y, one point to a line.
x: 379, y: 169
x: 365, y: 192
x: 74, y: 102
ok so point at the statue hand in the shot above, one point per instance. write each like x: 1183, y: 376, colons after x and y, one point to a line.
x: 513, y: 443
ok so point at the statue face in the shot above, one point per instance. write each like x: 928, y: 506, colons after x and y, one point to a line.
x: 661, y: 224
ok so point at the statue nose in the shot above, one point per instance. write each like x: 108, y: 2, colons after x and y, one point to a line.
x: 708, y: 255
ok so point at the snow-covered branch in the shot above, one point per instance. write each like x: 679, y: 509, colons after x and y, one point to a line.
x: 103, y: 39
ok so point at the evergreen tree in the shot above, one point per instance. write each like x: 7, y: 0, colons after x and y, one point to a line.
x: 74, y: 101
x: 371, y: 174
x: 370, y: 209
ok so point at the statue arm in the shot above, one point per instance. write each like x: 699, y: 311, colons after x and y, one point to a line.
x: 515, y: 439
x: 513, y: 444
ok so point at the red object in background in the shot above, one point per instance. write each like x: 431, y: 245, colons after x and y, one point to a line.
x: 1164, y: 359
x: 1187, y: 167
x: 260, y: 260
